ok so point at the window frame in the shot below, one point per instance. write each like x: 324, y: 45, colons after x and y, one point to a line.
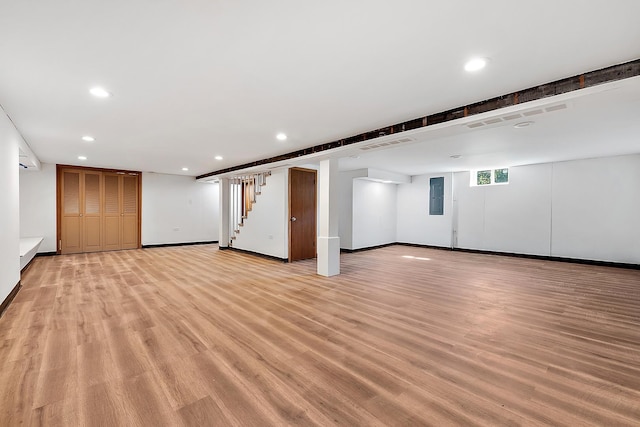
x: 473, y: 179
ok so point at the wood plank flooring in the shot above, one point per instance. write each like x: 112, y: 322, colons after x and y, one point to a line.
x: 404, y: 336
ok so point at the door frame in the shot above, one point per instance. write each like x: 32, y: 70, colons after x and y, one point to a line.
x: 315, y: 205
x: 59, y: 175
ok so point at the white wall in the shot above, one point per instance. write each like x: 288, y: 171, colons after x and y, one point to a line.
x: 415, y: 225
x: 596, y: 209
x: 10, y: 210
x: 177, y: 209
x: 345, y: 206
x: 585, y: 209
x: 266, y: 229
x: 506, y: 218
x: 374, y: 214
x: 168, y: 202
x: 38, y: 205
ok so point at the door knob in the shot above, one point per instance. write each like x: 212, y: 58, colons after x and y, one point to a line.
x: 293, y: 218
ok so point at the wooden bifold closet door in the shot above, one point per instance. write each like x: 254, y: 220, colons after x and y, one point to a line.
x: 98, y: 210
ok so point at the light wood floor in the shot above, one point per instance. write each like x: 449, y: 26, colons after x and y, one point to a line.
x: 197, y: 336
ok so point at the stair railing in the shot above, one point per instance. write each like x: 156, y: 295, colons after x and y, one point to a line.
x: 243, y: 192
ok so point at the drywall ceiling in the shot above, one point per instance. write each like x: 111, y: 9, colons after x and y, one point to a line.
x: 579, y: 125
x: 192, y: 80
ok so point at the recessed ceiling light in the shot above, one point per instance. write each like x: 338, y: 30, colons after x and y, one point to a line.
x: 522, y: 125
x: 100, y: 92
x: 185, y: 169
x: 456, y: 156
x: 475, y: 64
x: 88, y: 138
x: 82, y: 157
x: 218, y: 157
x: 281, y: 137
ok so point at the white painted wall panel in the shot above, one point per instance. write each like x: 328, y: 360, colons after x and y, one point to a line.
x: 266, y: 230
x: 517, y: 216
x: 345, y: 205
x: 374, y: 213
x: 596, y: 209
x: 10, y: 211
x: 38, y: 205
x: 469, y: 230
x: 415, y: 225
x: 177, y: 209
x: 585, y: 209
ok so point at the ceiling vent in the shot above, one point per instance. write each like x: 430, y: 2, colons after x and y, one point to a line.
x: 556, y: 108
x: 513, y: 116
x: 382, y: 144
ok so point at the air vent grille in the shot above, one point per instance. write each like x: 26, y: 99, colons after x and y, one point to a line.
x: 514, y: 116
x: 556, y: 108
x: 382, y: 144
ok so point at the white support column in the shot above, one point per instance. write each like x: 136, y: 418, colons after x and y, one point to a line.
x: 223, y: 225
x: 328, y: 240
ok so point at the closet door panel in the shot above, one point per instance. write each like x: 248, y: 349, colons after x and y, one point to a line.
x: 129, y: 211
x: 72, y: 235
x: 92, y: 234
x: 98, y: 210
x: 92, y: 222
x: 112, y: 212
x: 129, y: 233
x: 71, y: 221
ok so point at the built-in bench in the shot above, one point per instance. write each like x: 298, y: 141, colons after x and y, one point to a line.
x: 28, y: 249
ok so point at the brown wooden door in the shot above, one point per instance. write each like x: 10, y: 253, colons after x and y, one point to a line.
x: 98, y: 210
x: 302, y: 214
x: 112, y: 212
x: 129, y: 211
x: 91, y: 211
x: 71, y: 212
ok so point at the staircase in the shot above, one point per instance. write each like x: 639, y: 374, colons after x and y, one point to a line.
x: 243, y: 191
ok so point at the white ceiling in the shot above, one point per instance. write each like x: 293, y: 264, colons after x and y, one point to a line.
x: 602, y: 121
x: 196, y: 79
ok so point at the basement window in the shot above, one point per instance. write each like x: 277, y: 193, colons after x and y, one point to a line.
x: 489, y: 177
